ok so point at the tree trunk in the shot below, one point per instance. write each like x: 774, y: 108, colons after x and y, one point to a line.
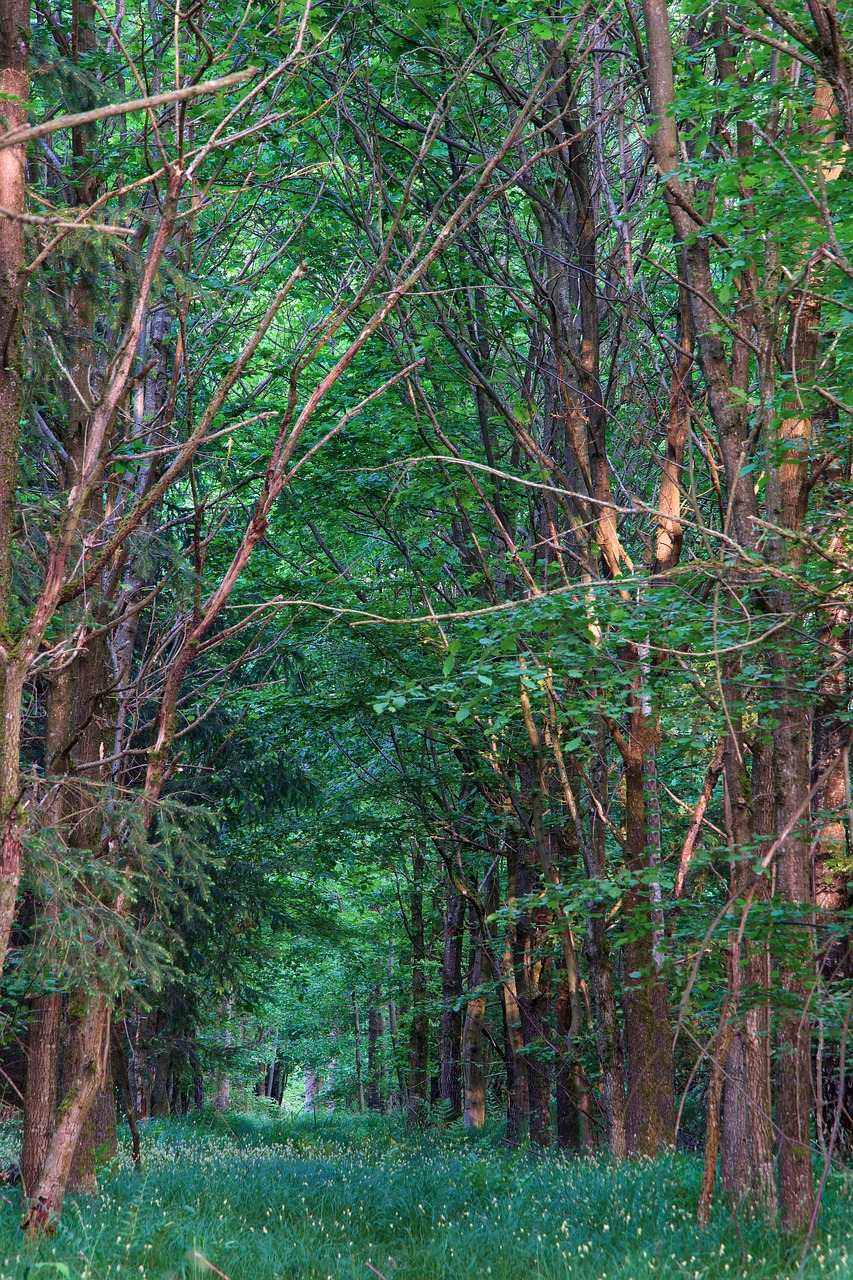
x: 419, y: 1036
x: 222, y: 1096
x: 830, y: 732
x: 747, y: 1130
x: 451, y: 1014
x: 787, y: 502
x: 518, y: 1096
x: 359, y: 1063
x: 42, y: 1088
x: 648, y: 1037
x: 14, y: 85
x: 104, y: 1112
x: 91, y: 1052
x: 793, y: 1086
x: 538, y: 1034
x: 474, y: 1109
x: 76, y: 1053
x: 160, y: 1106
x: 375, y: 1063
x: 198, y: 1079
x: 597, y: 951
x: 402, y: 1094
x: 121, y: 1071
x: 568, y: 1116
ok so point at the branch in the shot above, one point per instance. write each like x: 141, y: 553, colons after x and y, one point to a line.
x: 715, y: 768
x: 19, y: 136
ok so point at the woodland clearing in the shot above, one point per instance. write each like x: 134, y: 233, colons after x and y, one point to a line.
x: 262, y: 1197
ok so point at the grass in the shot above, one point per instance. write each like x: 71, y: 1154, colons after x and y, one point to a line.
x: 271, y: 1197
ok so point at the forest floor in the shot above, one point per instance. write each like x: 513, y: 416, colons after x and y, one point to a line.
x: 349, y: 1198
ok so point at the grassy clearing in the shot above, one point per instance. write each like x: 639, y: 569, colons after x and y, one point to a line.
x: 266, y: 1197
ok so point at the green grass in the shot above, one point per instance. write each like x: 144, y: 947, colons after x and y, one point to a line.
x: 264, y: 1197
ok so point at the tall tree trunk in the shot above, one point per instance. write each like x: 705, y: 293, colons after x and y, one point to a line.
x: 474, y: 1108
x: 419, y: 1036
x: 793, y: 1087
x: 92, y: 1049
x: 830, y: 732
x: 42, y: 1089
x: 597, y: 951
x: 105, y: 1137
x: 375, y: 1062
x: 15, y: 86
x: 568, y: 1113
x: 525, y: 1085
x: 787, y: 502
x: 536, y: 1023
x: 451, y: 1014
x: 122, y: 1073
x: 222, y: 1096
x: 397, y: 1062
x: 198, y: 1078
x: 532, y: 981
x: 518, y: 1096
x: 648, y: 1035
x: 747, y: 1129
x: 76, y: 1051
x: 359, y: 1062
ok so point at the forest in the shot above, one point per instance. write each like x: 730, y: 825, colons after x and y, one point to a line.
x: 426, y: 608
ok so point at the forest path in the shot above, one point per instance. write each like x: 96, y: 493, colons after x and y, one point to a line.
x: 347, y: 1198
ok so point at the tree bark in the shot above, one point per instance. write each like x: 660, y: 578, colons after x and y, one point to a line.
x: 42, y: 1089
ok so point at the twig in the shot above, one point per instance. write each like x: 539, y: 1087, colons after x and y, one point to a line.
x: 375, y: 1272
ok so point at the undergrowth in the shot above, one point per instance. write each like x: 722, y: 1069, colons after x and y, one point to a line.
x: 335, y: 1197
